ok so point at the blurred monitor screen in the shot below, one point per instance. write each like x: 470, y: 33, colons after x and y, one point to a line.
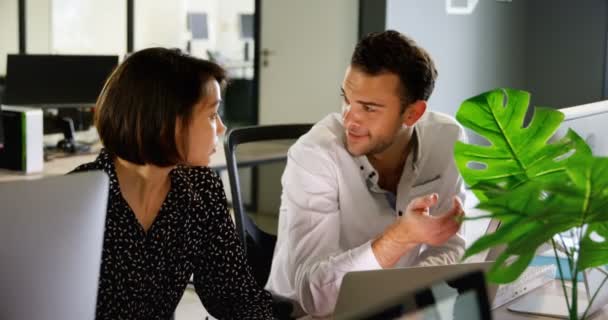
x: 590, y: 121
x: 247, y: 26
x: 56, y: 80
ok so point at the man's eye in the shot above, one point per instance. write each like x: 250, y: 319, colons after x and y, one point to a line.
x: 213, y: 116
x: 367, y: 108
x: 344, y: 97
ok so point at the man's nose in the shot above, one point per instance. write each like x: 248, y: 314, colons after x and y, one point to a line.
x: 351, y: 115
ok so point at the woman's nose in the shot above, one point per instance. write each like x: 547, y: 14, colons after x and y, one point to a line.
x: 221, y: 128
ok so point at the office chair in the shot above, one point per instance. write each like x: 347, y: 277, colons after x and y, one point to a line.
x: 258, y: 244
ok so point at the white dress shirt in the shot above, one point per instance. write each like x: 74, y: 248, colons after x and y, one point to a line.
x: 332, y: 209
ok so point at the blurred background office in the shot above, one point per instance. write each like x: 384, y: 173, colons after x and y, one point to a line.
x: 287, y: 58
x: 296, y: 50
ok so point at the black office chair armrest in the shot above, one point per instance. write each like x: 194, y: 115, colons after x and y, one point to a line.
x: 282, y: 308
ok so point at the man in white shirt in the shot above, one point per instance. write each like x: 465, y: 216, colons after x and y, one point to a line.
x: 374, y: 187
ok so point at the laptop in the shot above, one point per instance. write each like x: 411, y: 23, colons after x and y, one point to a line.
x: 51, y: 238
x: 554, y: 304
x: 460, y: 297
x: 388, y: 284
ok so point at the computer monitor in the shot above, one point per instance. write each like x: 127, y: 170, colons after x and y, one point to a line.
x: 198, y: 26
x: 590, y: 122
x: 56, y: 80
x: 51, y: 238
x: 69, y: 83
x: 247, y: 27
x: 461, y: 297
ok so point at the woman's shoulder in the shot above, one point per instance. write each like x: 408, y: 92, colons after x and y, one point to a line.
x: 204, y: 180
x: 205, y: 187
x: 90, y: 166
x: 102, y: 162
x: 200, y: 175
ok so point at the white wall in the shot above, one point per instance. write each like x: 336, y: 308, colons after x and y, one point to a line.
x: 9, y: 31
x: 39, y: 26
x: 199, y: 47
x: 229, y: 26
x: 473, y: 53
x: 89, y: 26
x: 99, y: 26
x: 224, y: 26
x: 160, y: 23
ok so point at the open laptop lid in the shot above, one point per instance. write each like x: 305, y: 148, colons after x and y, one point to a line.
x: 51, y: 237
x: 494, y: 252
x: 362, y: 289
x: 460, y: 297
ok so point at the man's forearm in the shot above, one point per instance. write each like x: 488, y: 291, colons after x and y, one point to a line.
x: 388, y: 251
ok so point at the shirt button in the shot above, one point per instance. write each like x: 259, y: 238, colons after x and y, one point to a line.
x: 400, y: 213
x: 361, y: 167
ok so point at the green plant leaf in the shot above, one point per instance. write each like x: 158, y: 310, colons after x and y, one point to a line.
x: 530, y: 215
x: 591, y: 175
x: 594, y: 246
x: 535, y: 188
x: 517, y: 154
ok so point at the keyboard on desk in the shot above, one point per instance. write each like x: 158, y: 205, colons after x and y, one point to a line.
x: 534, y: 277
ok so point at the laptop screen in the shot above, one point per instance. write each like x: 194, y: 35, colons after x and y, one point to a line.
x: 461, y: 298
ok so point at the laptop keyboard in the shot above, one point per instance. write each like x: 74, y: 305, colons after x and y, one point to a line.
x: 532, y: 278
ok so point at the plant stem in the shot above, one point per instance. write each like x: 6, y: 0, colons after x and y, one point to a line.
x: 574, y: 310
x: 561, y: 273
x: 594, y: 295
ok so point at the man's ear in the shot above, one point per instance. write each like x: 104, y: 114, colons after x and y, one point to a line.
x: 414, y: 112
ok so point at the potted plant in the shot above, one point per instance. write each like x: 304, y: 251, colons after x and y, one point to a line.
x: 537, y: 189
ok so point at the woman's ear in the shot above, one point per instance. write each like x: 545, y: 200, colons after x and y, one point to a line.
x: 414, y: 112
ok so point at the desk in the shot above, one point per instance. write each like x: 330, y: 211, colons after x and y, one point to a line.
x: 248, y: 154
x: 553, y: 287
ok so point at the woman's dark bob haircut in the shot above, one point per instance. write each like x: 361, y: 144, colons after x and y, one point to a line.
x: 141, y: 102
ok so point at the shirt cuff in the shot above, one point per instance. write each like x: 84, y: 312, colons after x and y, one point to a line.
x: 363, y: 258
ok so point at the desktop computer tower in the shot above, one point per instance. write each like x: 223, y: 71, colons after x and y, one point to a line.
x: 23, y: 139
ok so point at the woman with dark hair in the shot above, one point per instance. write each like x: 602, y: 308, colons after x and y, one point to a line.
x: 167, y: 219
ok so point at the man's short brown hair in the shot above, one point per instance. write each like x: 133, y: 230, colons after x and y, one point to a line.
x: 393, y: 52
x: 141, y: 102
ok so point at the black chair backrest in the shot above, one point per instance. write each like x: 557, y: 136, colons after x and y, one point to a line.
x: 259, y: 245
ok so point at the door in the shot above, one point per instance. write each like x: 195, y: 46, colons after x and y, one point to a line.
x: 305, y: 47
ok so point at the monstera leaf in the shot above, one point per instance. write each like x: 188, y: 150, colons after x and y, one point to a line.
x: 534, y: 212
x: 517, y: 154
x: 591, y: 176
x: 537, y: 189
x: 530, y: 215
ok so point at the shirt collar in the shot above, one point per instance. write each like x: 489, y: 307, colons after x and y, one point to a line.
x: 369, y: 173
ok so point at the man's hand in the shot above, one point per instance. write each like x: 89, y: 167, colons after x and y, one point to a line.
x: 416, y: 227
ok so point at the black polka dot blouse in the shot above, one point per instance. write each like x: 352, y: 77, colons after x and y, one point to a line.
x: 144, y: 274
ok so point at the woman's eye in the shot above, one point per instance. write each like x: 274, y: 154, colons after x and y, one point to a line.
x: 368, y: 108
x: 214, y: 116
